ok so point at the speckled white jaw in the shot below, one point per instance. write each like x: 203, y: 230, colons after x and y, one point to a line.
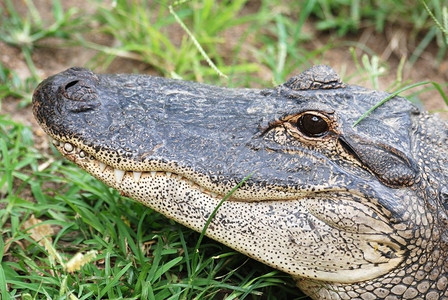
x: 119, y: 178
x: 297, y: 235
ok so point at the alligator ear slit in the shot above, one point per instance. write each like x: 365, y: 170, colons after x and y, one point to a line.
x: 348, y: 148
x: 390, y: 165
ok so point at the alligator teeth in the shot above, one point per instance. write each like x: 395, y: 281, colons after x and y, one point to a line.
x: 153, y: 173
x: 68, y: 147
x: 82, y: 154
x: 56, y: 142
x: 119, y: 174
x: 137, y: 176
x: 102, y: 166
x: 168, y: 174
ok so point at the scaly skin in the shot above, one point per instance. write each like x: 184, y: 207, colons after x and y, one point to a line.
x: 350, y: 212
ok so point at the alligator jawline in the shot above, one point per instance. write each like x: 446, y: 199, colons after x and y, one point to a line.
x: 77, y: 155
x: 101, y: 170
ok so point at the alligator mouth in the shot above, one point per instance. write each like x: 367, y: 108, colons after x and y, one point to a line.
x: 122, y: 178
x: 101, y: 170
x: 118, y: 176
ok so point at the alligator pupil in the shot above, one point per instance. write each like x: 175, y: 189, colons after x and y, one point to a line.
x: 312, y: 125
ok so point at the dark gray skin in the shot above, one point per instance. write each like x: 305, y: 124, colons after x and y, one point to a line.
x: 350, y: 212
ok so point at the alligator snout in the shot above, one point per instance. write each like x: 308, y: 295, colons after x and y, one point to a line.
x: 83, y: 94
x: 80, y: 85
x: 79, y: 90
x: 73, y: 90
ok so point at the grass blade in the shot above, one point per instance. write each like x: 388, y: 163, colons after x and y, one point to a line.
x: 3, y: 288
x: 435, y: 84
x: 196, y: 43
x: 114, y: 280
x: 212, y: 215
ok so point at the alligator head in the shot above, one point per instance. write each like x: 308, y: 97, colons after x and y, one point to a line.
x: 348, y: 211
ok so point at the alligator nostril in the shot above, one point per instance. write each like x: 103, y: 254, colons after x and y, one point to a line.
x: 82, y: 94
x: 80, y: 90
x: 70, y: 84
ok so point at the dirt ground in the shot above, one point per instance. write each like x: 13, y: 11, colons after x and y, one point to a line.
x: 391, y: 45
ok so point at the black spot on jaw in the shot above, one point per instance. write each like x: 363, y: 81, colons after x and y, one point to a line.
x: 444, y: 198
x: 389, y: 254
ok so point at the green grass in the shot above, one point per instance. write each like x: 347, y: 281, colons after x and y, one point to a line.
x: 25, y: 32
x: 141, y: 254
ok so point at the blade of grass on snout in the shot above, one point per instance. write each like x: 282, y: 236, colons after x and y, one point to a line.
x: 435, y: 84
x: 210, y: 218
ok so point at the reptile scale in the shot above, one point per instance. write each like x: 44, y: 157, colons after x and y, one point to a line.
x: 351, y: 212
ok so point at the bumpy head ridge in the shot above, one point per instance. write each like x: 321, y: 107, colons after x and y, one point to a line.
x: 315, y: 78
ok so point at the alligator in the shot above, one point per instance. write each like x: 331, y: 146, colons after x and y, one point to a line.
x: 351, y: 212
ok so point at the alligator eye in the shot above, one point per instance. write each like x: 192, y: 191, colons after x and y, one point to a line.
x: 312, y: 125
